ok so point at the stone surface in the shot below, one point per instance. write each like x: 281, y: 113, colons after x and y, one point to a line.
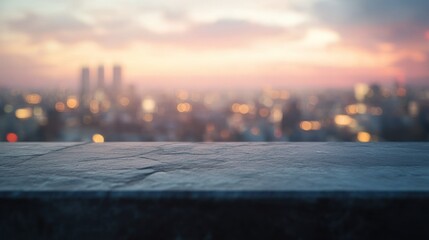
x: 215, y: 166
x: 214, y: 191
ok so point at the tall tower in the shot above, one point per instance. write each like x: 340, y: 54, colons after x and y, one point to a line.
x: 84, y: 87
x: 117, y: 74
x: 100, y: 78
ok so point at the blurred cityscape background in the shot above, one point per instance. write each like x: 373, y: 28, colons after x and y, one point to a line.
x: 241, y: 70
x: 112, y: 111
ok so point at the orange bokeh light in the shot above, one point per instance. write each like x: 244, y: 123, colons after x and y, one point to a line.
x: 11, y: 137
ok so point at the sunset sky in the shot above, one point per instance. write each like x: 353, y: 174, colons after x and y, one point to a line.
x: 222, y: 43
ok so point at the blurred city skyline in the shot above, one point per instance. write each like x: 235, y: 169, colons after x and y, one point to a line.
x: 215, y: 44
x: 113, y: 110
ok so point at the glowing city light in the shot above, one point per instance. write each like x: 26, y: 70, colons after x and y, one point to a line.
x: 310, y: 125
x: 72, y: 102
x: 23, y: 113
x: 361, y: 90
x: 94, y: 106
x: 148, y: 105
x: 98, y: 138
x: 413, y: 108
x: 33, y: 98
x: 60, y: 107
x: 184, y: 107
x: 316, y: 125
x: 8, y: 108
x: 343, y: 120
x: 276, y: 114
x: 266, y: 101
x: 244, y: 109
x: 148, y: 117
x: 235, y: 107
x: 38, y: 111
x: 363, y: 137
x: 305, y: 125
x: 351, y: 109
x: 99, y: 95
x: 359, y: 108
x: 11, y: 137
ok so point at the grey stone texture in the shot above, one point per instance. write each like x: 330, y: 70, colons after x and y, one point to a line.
x: 214, y: 191
x: 214, y: 166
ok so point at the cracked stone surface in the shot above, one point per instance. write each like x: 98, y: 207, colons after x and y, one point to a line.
x: 214, y: 166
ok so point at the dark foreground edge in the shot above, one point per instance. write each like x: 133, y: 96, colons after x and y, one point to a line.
x: 214, y: 215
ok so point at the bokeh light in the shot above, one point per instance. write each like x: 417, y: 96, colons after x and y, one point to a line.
x: 23, y: 113
x: 60, y: 107
x: 98, y: 138
x: 72, y: 102
x: 33, y: 98
x: 363, y: 137
x: 148, y: 105
x: 343, y: 120
x: 11, y: 137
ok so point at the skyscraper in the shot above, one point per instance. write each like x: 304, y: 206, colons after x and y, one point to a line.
x: 100, y: 78
x: 116, y: 85
x: 84, y: 90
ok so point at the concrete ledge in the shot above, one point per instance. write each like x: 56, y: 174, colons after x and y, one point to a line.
x: 214, y: 191
x: 208, y: 215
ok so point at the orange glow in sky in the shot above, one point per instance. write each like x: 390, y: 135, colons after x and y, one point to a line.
x: 223, y: 43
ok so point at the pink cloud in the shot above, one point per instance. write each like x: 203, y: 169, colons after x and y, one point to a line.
x: 118, y: 32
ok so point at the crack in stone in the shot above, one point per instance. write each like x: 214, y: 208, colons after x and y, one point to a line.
x: 190, y: 152
x: 52, y: 151
x: 138, y: 177
x: 114, y: 158
x: 152, y: 159
x: 187, y: 153
x: 161, y: 151
x: 139, y: 155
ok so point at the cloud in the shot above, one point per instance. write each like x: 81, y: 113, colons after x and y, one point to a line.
x: 413, y: 69
x: 225, y: 33
x: 114, y: 32
x: 64, y: 28
x: 393, y: 27
x: 354, y: 12
x: 369, y: 22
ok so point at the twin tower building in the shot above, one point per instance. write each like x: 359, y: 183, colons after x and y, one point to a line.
x: 100, y: 86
